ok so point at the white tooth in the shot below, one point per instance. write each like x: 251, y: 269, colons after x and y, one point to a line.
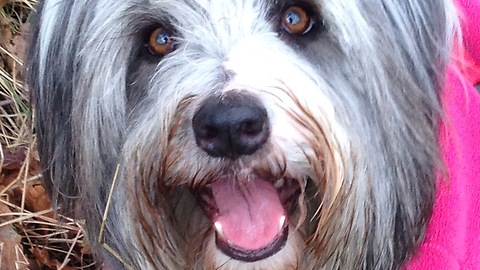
x: 218, y: 228
x: 282, y: 222
x: 280, y: 183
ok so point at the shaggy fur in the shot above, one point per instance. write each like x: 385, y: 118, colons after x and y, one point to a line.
x: 352, y: 109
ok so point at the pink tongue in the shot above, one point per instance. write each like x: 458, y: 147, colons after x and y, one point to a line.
x: 249, y: 213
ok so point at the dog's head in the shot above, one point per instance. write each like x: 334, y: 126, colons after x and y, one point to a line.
x: 243, y: 134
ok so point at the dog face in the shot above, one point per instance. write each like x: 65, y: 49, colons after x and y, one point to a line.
x: 247, y: 134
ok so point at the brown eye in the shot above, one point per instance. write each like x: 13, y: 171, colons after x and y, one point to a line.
x: 160, y: 42
x: 296, y: 21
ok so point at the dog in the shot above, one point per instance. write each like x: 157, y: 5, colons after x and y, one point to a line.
x: 245, y: 134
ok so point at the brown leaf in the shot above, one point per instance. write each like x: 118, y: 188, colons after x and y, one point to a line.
x: 3, y: 3
x: 66, y: 267
x: 35, y: 166
x: 4, y: 210
x: 36, y: 199
x: 13, y: 158
x: 5, y: 32
x: 11, y: 254
x: 8, y: 178
x: 17, y: 46
x: 43, y: 257
x: 86, y: 250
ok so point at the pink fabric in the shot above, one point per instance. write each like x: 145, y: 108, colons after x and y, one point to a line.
x: 471, y: 69
x: 469, y: 11
x: 470, y: 16
x: 453, y: 235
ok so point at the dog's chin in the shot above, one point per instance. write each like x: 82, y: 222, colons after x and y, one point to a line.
x: 250, y: 217
x: 287, y: 258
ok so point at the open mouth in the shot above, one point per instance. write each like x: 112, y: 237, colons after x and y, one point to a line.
x: 250, y: 218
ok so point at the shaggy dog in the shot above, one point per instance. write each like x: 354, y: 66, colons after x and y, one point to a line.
x: 244, y: 134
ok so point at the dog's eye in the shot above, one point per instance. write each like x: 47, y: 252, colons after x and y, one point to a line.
x: 160, y: 42
x: 296, y: 20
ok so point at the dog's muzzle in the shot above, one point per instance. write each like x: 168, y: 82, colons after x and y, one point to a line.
x: 250, y: 216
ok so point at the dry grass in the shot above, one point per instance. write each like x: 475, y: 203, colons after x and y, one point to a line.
x: 31, y: 235
x: 14, y: 128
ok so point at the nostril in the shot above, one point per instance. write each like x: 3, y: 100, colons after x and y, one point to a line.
x: 230, y: 126
x: 209, y: 132
x: 251, y: 128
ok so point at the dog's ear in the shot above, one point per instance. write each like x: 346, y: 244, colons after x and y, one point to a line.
x: 78, y: 100
x: 401, y: 49
x: 50, y: 82
x: 425, y: 32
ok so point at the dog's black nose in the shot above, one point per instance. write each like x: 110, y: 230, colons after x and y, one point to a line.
x: 231, y: 126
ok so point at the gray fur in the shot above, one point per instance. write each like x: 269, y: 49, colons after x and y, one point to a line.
x: 360, y: 94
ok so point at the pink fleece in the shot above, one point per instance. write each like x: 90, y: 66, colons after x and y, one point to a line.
x: 453, y: 236
x: 469, y: 11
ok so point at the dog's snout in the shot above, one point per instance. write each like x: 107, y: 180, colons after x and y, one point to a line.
x: 231, y: 126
